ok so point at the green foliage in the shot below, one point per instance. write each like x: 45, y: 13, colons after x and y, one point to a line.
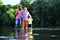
x: 0, y: 2
x: 46, y: 13
x: 25, y: 2
x: 6, y: 19
x: 10, y: 12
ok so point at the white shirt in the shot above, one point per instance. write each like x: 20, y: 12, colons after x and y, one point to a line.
x: 25, y: 15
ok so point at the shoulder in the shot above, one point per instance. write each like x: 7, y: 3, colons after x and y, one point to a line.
x: 22, y: 10
x: 27, y: 11
x: 17, y: 10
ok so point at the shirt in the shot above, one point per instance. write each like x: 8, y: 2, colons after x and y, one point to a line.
x: 30, y: 21
x: 18, y: 14
x: 25, y: 15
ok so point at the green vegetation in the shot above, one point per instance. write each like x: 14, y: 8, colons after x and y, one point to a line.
x: 0, y: 2
x: 46, y: 13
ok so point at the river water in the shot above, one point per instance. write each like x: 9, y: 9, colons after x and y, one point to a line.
x: 42, y: 35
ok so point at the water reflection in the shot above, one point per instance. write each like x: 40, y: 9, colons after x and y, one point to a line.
x: 30, y: 32
x: 46, y: 34
x: 24, y: 36
x: 41, y: 35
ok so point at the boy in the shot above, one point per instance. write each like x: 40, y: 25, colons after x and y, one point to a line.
x: 30, y: 24
x: 30, y: 28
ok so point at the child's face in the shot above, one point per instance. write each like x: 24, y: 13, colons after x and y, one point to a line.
x: 25, y: 9
x: 20, y: 7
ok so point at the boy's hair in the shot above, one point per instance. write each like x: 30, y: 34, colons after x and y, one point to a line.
x: 19, y: 7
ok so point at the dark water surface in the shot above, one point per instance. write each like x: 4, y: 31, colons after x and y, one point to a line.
x: 46, y: 34
x: 43, y: 35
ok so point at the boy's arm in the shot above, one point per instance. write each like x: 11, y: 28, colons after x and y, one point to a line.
x: 32, y: 19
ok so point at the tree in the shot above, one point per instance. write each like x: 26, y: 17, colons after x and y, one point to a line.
x: 0, y: 2
x: 46, y: 13
x: 25, y: 2
x: 6, y: 19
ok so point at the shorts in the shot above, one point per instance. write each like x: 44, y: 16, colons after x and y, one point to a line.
x: 18, y: 21
x: 24, y: 23
x: 29, y: 25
